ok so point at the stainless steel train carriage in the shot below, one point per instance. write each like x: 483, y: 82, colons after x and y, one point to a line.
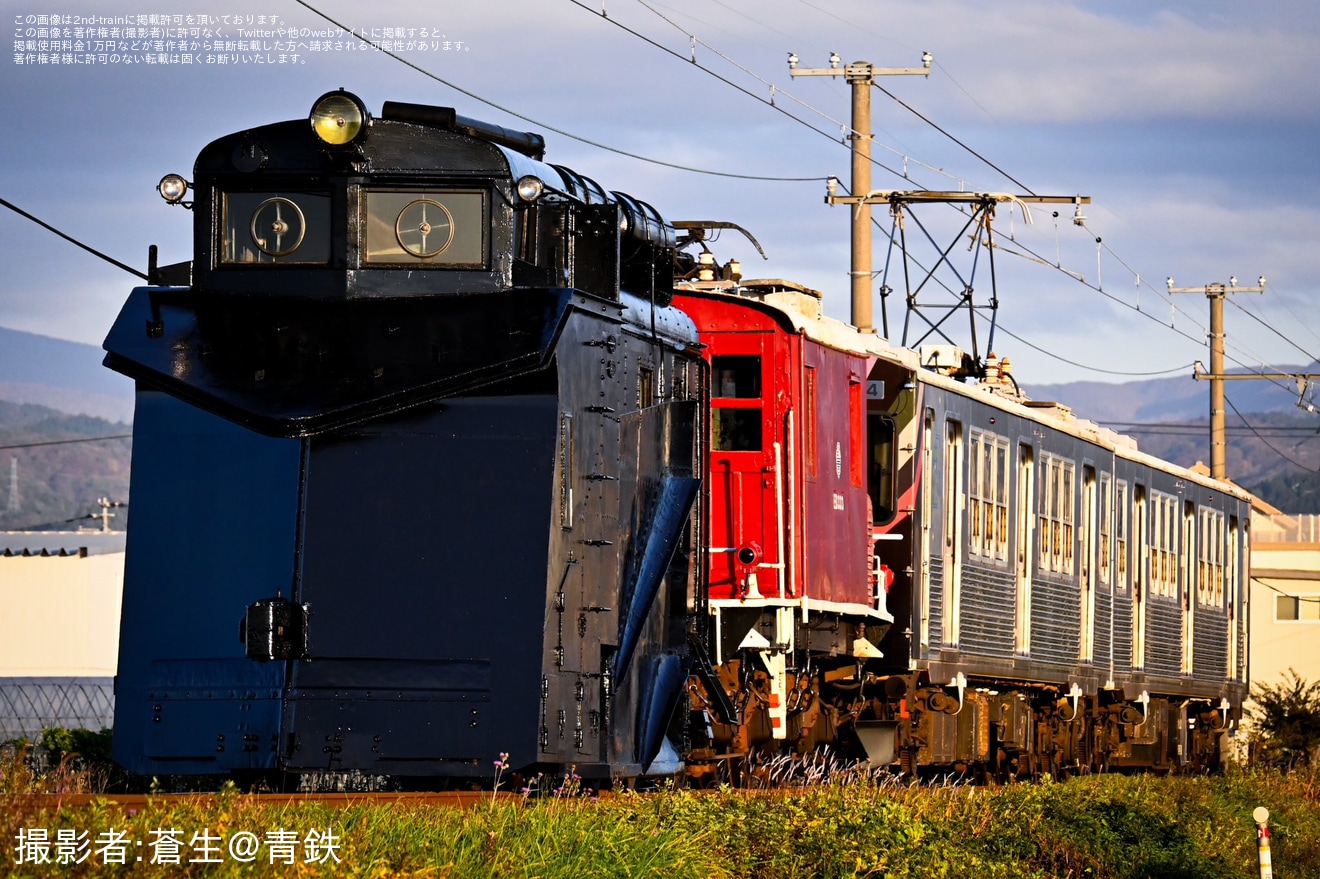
x: 414, y: 450
x: 1085, y: 601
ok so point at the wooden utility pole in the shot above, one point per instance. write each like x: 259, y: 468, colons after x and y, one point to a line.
x: 861, y: 76
x: 1215, y: 293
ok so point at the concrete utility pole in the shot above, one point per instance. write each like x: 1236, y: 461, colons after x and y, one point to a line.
x: 861, y: 76
x: 1215, y: 293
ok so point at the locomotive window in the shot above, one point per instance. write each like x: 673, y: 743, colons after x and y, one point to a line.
x: 737, y: 376
x: 441, y: 228
x: 275, y: 228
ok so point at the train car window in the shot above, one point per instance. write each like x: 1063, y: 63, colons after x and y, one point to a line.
x: 736, y: 375
x: 1231, y: 563
x: 275, y: 228
x: 1056, y: 514
x: 880, y: 479
x: 645, y: 387
x: 735, y: 430
x: 1163, y: 545
x: 1121, y: 532
x: 1105, y: 515
x: 1090, y: 528
x: 856, y: 423
x: 1210, y: 558
x: 433, y: 227
x: 809, y: 418
x: 987, y: 495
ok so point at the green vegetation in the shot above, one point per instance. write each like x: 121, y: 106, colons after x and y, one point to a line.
x: 1287, y: 719
x: 1109, y: 826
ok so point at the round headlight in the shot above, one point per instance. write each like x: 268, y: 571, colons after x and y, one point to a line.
x: 530, y: 188
x: 339, y: 118
x: 172, y: 188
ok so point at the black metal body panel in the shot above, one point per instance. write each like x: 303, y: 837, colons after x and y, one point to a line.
x: 470, y: 494
x: 294, y: 368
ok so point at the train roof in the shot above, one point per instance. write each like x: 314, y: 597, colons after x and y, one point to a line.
x: 799, y: 309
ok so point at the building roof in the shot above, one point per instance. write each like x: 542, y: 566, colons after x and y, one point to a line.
x: 61, y: 543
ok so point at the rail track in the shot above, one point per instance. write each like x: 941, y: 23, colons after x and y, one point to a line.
x: 452, y: 799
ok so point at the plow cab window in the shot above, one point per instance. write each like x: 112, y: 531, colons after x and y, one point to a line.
x: 275, y: 228
x: 439, y: 228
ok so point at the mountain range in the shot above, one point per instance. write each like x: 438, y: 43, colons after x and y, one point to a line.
x: 1274, y: 446
x: 60, y: 375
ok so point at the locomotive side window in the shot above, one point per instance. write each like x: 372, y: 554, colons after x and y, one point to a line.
x: 735, y: 426
x: 441, y: 228
x: 275, y: 228
x: 566, y: 471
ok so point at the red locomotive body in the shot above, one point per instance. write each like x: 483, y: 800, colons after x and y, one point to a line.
x: 796, y: 486
x: 790, y: 512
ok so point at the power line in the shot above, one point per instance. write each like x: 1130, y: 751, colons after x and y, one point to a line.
x: 476, y: 97
x: 1267, y: 443
x: 769, y: 102
x: 65, y: 442
x: 916, y: 113
x: 1314, y: 599
x: 1273, y: 330
x: 16, y: 209
x: 1006, y: 332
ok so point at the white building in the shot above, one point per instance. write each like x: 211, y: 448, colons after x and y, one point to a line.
x: 60, y: 597
x: 1285, y: 595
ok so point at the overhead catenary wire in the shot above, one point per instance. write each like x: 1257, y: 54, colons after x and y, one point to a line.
x: 768, y: 102
x: 92, y: 250
x: 1308, y: 599
x: 1299, y: 465
x: 765, y: 101
x: 774, y: 90
x: 548, y: 127
x: 1176, y: 369
x: 66, y: 442
x: 1233, y: 302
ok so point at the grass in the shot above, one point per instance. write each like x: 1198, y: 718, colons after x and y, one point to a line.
x: 1105, y: 827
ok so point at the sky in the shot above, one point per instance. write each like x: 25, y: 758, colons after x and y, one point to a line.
x: 1190, y: 125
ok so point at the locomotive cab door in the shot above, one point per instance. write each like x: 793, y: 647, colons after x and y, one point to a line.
x: 747, y: 468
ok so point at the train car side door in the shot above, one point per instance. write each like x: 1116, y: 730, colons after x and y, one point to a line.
x: 747, y: 467
x: 1026, y: 529
x: 955, y: 501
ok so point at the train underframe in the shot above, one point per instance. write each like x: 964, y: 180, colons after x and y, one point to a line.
x: 839, y: 712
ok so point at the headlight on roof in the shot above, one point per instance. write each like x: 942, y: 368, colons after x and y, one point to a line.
x: 339, y: 118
